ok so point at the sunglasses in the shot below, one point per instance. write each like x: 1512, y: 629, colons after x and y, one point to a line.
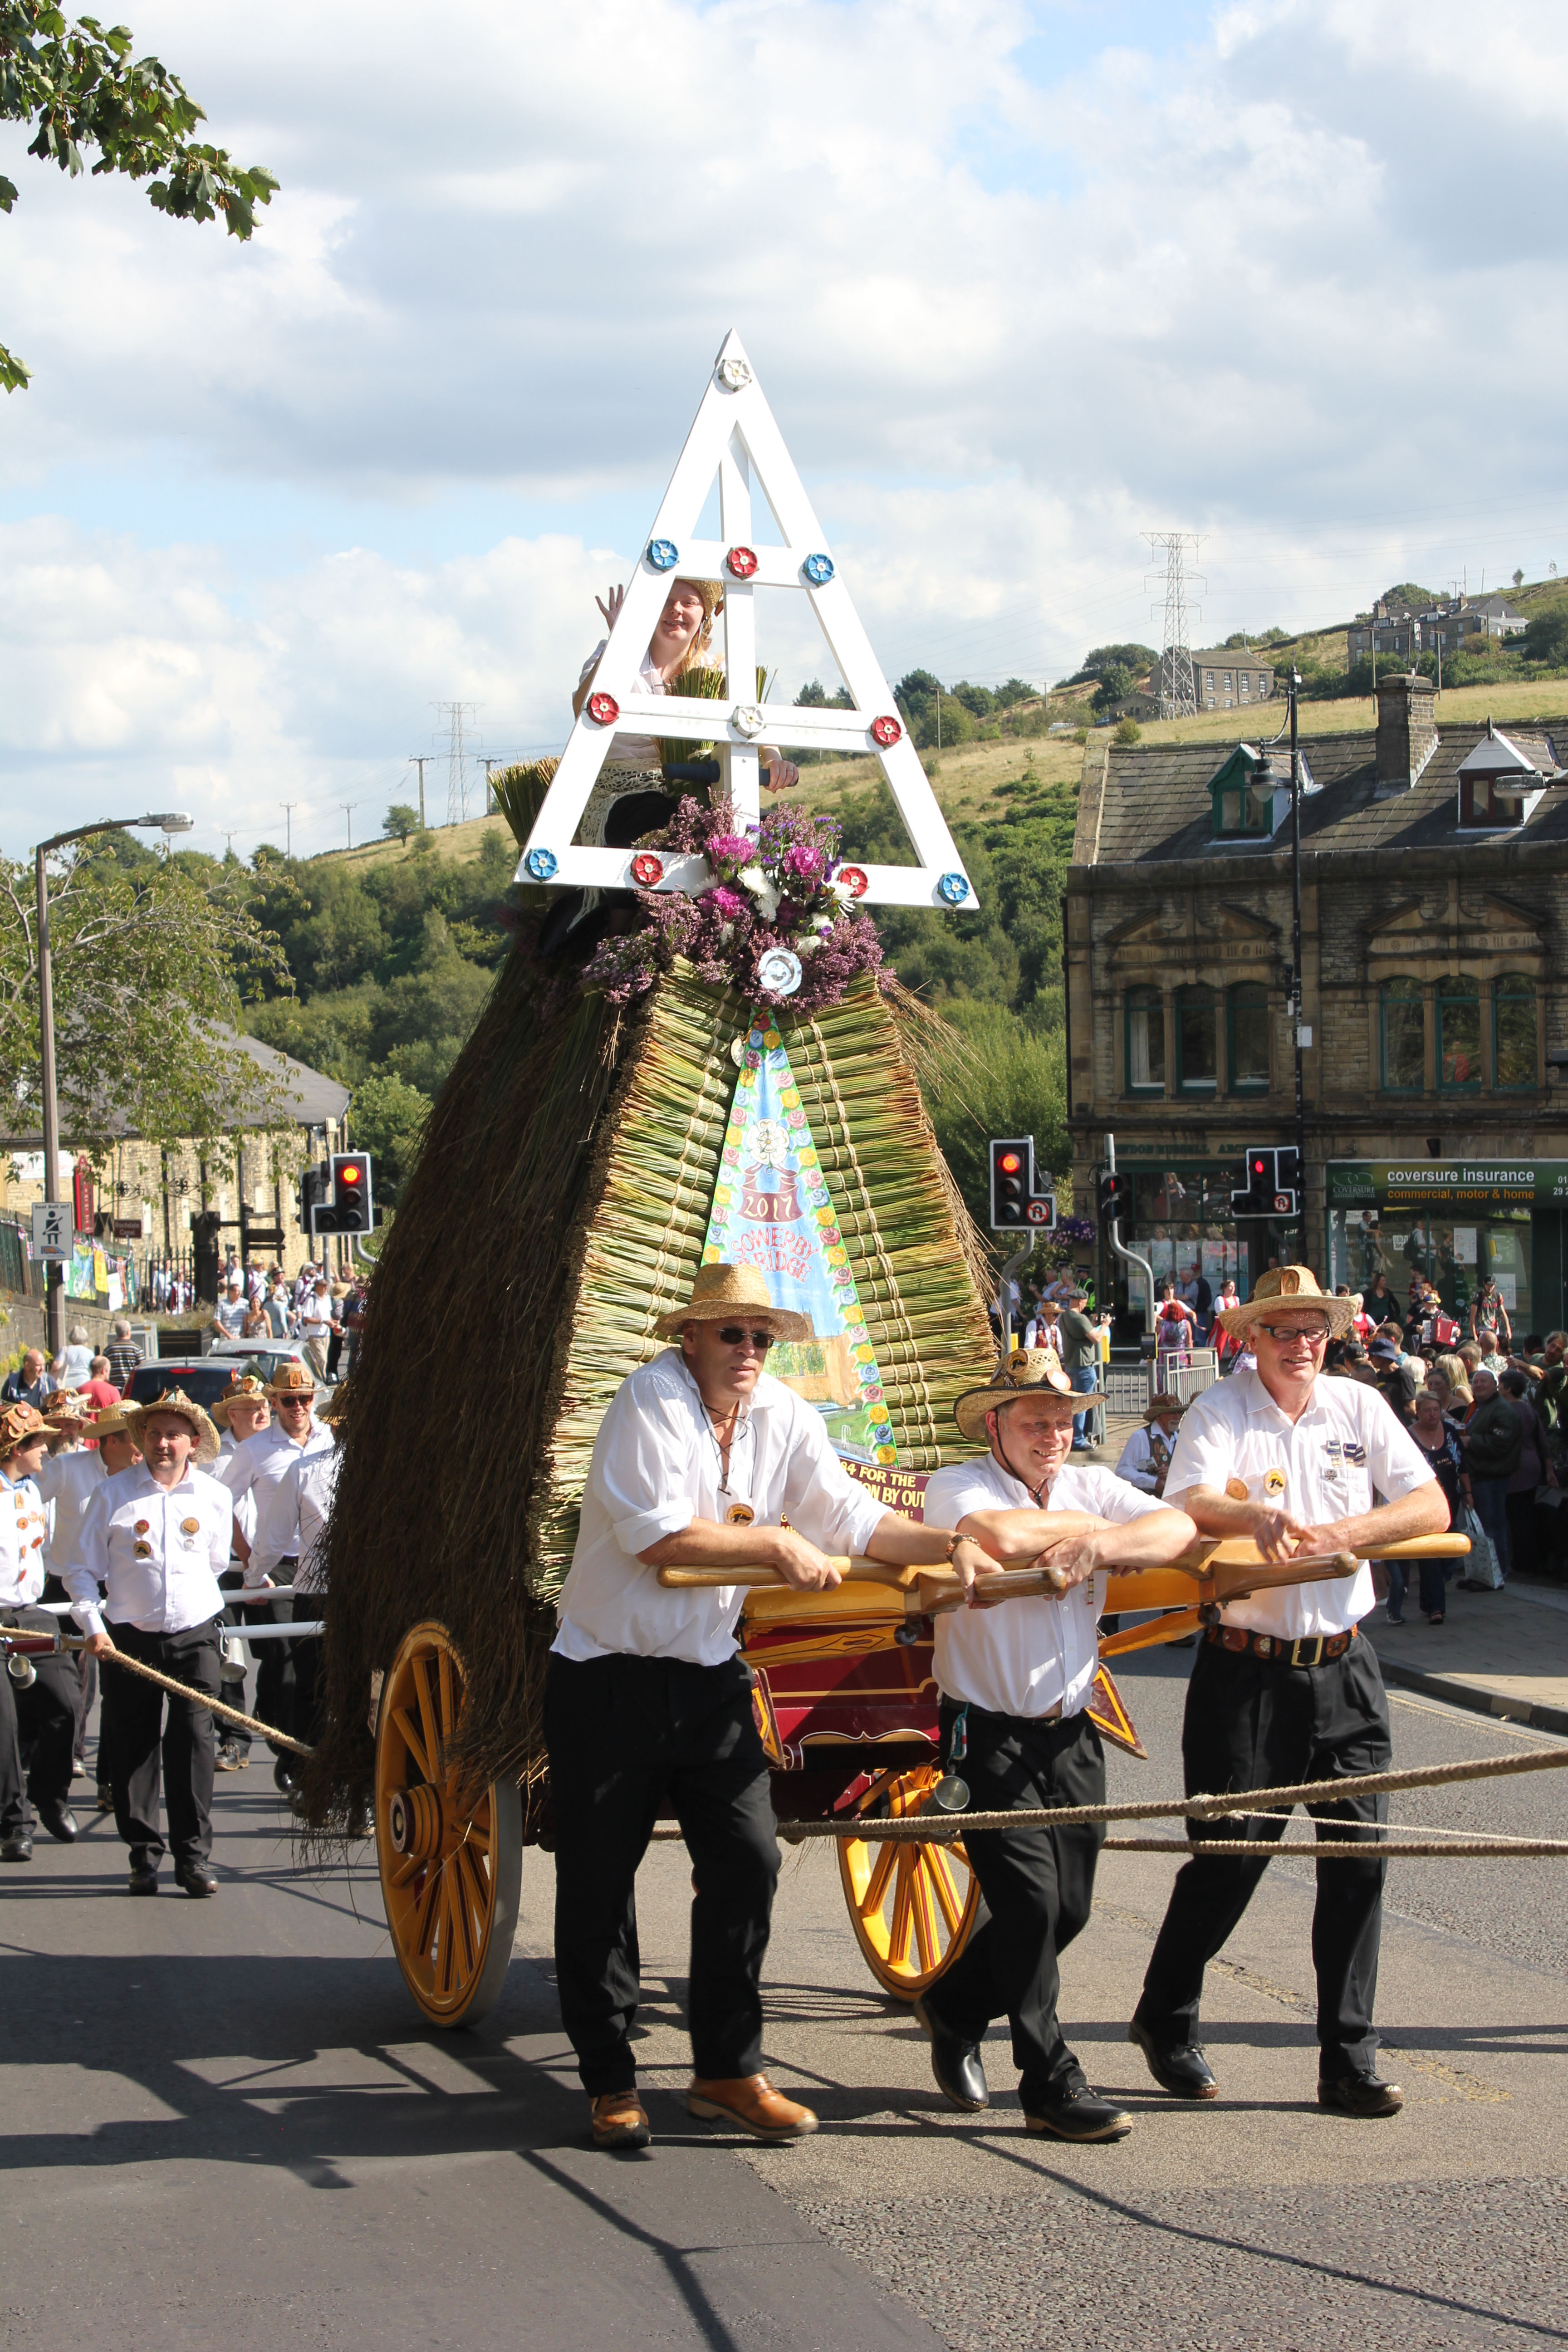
x: 1283, y: 1331
x: 732, y: 1335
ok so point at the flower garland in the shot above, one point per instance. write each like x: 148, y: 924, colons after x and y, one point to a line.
x: 777, y: 885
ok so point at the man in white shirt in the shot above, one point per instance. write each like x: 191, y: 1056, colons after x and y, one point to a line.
x: 699, y: 1460
x: 1016, y: 1678
x: 241, y: 1412
x: 157, y: 1536
x: 1283, y: 1689
x: 296, y: 1530
x: 260, y: 1469
x: 1146, y: 1456
x: 44, y: 1713
x: 67, y: 1482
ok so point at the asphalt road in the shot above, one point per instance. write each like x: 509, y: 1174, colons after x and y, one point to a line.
x: 223, y: 2123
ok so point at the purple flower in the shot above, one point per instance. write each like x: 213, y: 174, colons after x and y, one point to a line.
x: 730, y: 848
x: 731, y: 904
x: 804, y: 862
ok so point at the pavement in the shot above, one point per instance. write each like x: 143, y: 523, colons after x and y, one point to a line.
x: 225, y: 2121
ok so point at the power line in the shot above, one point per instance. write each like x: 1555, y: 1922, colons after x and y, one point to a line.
x: 457, y: 760
x: 1178, y: 691
x: 417, y: 760
x: 288, y: 808
x: 348, y: 808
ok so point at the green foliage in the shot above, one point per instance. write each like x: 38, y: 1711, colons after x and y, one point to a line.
x: 1116, y: 683
x: 77, y: 85
x: 388, y: 1116
x: 1128, y: 731
x: 1132, y: 656
x: 816, y: 696
x: 1409, y: 593
x: 400, y: 821
x: 1546, y: 638
x: 1005, y: 1079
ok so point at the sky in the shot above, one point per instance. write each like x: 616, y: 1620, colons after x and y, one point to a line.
x: 1021, y: 282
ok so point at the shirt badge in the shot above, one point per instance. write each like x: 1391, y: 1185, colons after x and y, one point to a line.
x: 738, y: 1514
x: 1274, y: 1482
x: 1356, y: 1453
x: 191, y: 1527
x: 1236, y: 1489
x: 143, y: 1552
x: 141, y: 1526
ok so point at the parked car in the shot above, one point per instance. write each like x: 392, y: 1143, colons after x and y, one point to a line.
x: 205, y: 1379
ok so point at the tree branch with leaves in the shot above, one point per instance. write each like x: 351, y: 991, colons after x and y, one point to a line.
x: 77, y: 85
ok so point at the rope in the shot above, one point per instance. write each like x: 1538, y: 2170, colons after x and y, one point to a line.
x: 927, y: 1827
x: 200, y: 1698
x: 1344, y: 1849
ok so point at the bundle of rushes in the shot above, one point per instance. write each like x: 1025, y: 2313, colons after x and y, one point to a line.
x: 559, y: 1207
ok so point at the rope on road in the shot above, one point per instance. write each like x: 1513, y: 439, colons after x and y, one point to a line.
x: 924, y: 1828
x: 202, y: 1698
x: 1484, y: 1849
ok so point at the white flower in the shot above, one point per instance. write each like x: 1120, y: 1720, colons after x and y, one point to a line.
x: 840, y: 893
x: 807, y: 943
x: 753, y: 879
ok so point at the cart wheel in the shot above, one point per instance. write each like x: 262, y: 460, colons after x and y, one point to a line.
x: 911, y: 1906
x: 450, y: 1858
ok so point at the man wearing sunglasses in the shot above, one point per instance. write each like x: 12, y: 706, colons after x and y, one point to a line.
x: 1283, y: 1690
x: 699, y: 1461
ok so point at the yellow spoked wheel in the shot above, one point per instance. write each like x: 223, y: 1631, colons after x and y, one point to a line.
x: 450, y: 1857
x: 911, y: 1906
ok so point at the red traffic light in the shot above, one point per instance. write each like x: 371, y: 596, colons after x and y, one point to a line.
x: 1009, y: 1163
x: 350, y: 1175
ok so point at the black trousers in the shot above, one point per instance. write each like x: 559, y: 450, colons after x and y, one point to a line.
x: 1037, y: 1884
x: 186, y: 1748
x: 309, y: 1689
x: 627, y: 1736
x: 1251, y: 1724
x: 233, y: 1692
x: 38, y: 1729
x: 274, y: 1664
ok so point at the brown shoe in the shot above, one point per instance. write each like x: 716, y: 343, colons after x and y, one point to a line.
x: 619, y: 2120
x: 751, y: 2101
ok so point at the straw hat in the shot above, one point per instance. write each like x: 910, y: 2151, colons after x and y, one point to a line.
x: 176, y: 1401
x: 66, y: 1405
x: 335, y: 1406
x: 115, y: 1420
x: 18, y: 1424
x: 722, y: 1294
x: 1159, y: 1405
x: 295, y: 1381
x: 1027, y: 1371
x: 1286, y: 1287
x: 244, y: 1388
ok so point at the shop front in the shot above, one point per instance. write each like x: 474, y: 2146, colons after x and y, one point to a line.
x: 1456, y: 1221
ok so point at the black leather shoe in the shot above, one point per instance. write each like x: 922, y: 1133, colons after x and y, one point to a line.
x: 1360, y: 2094
x: 143, y: 1879
x: 960, y: 2076
x: 1078, y: 2114
x: 58, y: 1819
x: 195, y: 1878
x: 1179, y: 2067
x: 105, y: 1798
x: 16, y: 1849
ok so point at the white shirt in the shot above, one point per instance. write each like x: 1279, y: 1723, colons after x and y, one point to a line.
x: 68, y: 1483
x: 244, y: 1505
x: 231, y: 1313
x: 632, y: 751
x: 1036, y: 1656
x: 261, y: 1467
x: 657, y: 1468
x: 308, y: 1489
x: 23, y: 1529
x: 159, y: 1549
x: 1137, y: 1465
x: 1346, y: 1451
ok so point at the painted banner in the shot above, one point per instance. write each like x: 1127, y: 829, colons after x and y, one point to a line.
x: 771, y: 1209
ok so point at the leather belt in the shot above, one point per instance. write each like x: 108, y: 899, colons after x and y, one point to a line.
x: 1312, y: 1650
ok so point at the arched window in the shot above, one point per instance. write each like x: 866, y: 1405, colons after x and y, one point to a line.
x: 1145, y: 1041
x: 1197, y: 1062
x: 1458, y: 1035
x: 1514, y: 1031
x: 1404, y: 1037
x: 1247, y: 1010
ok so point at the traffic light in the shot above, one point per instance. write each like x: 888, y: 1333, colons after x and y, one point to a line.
x: 315, y: 1184
x: 1015, y: 1199
x: 352, y: 1210
x: 1287, y: 1182
x: 1115, y: 1197
x: 1273, y: 1185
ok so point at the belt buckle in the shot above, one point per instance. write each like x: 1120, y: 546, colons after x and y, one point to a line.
x: 1297, y: 1648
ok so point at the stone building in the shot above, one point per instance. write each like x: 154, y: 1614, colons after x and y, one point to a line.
x: 1434, y: 955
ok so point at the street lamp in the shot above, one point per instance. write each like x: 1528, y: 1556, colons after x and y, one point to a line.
x: 170, y: 821
x: 1263, y: 776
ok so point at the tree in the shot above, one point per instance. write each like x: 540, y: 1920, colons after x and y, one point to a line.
x: 400, y: 821
x: 76, y: 86
x: 1000, y: 1079
x: 387, y: 1116
x: 1546, y: 637
x: 1127, y: 732
x: 1415, y: 598
x: 1116, y: 683
x: 1100, y: 659
x: 1519, y: 579
x: 1014, y: 691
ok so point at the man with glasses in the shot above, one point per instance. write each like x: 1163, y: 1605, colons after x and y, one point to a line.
x: 262, y: 1467
x: 699, y: 1460
x: 1283, y: 1689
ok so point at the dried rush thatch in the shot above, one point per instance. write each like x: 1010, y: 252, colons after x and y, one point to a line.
x: 558, y: 1208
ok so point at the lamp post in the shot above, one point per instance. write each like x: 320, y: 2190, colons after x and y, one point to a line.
x: 1263, y: 774
x: 170, y: 822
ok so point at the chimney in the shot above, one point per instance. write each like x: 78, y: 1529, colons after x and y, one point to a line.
x: 1406, y: 730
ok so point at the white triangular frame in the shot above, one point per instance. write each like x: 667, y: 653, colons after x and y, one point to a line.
x: 734, y: 436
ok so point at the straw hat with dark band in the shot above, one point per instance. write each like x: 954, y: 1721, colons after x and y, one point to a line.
x: 1292, y: 1287
x: 295, y: 1383
x: 115, y: 1420
x: 244, y: 1388
x: 1027, y: 1373
x: 176, y: 1401
x: 733, y: 1294
x: 1160, y: 1406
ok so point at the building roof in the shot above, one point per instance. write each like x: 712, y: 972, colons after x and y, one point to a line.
x: 1497, y: 754
x: 1143, y: 806
x: 1236, y: 657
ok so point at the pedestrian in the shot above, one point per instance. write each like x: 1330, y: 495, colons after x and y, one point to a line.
x: 1146, y: 1456
x: 1491, y: 1447
x: 99, y: 1388
x: 1441, y: 1447
x: 259, y: 1469
x: 1199, y: 1296
x: 228, y: 1317
x: 1173, y: 1331
x: 1490, y: 1325
x: 1283, y: 1690
x: 30, y: 1383
x: 647, y: 1703
x: 279, y: 1313
x: 68, y: 1483
x: 39, y: 1714
x: 77, y: 1363
x: 156, y: 1536
x: 1528, y: 1473
x: 243, y: 1410
x: 297, y: 1532
x: 123, y: 1354
x: 335, y: 1344
x: 316, y: 1326
x: 1080, y: 1359
x: 1015, y: 1682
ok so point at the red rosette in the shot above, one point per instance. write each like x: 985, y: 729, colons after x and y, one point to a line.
x: 603, y: 709
x: 855, y: 879
x: 886, y: 731
x: 741, y: 561
x: 647, y: 869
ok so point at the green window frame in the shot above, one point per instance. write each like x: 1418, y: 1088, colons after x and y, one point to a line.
x: 1197, y: 1040
x: 1402, y: 1027
x: 1144, y: 1021
x: 1248, y: 1039
x: 1459, y: 1070
x: 1516, y: 1034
